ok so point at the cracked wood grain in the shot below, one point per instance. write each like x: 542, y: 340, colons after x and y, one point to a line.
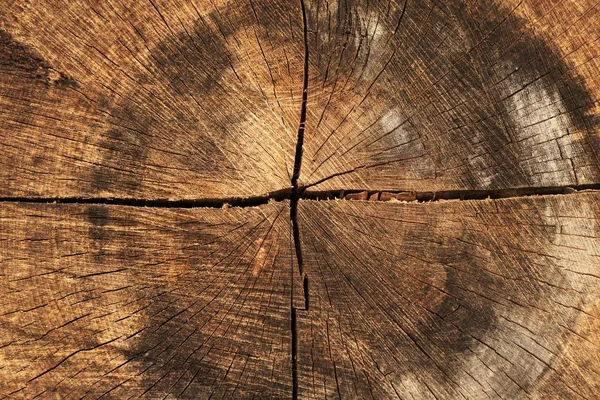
x: 160, y: 100
x: 106, y: 301
x: 466, y: 299
x: 480, y: 298
x: 135, y: 118
x: 461, y: 95
x: 149, y: 100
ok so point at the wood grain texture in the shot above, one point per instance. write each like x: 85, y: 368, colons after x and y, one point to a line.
x: 180, y: 100
x: 446, y: 95
x: 114, y: 302
x: 152, y: 99
x: 138, y: 116
x: 451, y: 300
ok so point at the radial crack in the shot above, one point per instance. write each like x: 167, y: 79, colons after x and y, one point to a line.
x: 294, y: 198
x: 432, y: 196
x: 278, y: 195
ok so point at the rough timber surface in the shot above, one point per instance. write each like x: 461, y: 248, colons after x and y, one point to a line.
x: 138, y: 115
x: 172, y: 99
x: 451, y: 300
x: 148, y: 99
x: 120, y: 302
x: 445, y: 95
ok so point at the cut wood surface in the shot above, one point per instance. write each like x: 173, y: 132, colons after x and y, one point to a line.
x: 180, y: 100
x: 109, y: 301
x: 161, y: 161
x: 430, y: 95
x: 455, y: 299
x: 451, y: 300
x: 163, y: 99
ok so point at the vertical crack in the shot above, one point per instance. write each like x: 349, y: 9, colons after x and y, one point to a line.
x: 302, y: 124
x: 294, y: 198
x: 305, y: 285
x: 294, y: 356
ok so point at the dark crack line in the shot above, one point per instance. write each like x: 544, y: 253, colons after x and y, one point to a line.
x: 294, y: 198
x: 252, y: 201
x: 301, y: 193
x: 294, y: 353
x: 433, y: 196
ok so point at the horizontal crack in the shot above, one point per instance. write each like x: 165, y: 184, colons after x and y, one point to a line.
x: 431, y: 196
x: 279, y: 195
x: 303, y: 194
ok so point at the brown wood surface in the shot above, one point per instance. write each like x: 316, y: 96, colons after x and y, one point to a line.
x: 164, y: 99
x: 168, y: 99
x: 109, y: 301
x: 451, y: 300
x: 443, y: 95
x: 122, y: 122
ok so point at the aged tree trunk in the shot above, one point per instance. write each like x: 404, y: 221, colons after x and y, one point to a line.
x: 300, y: 199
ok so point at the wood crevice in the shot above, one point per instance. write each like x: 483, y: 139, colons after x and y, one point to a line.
x: 324, y: 195
x: 433, y: 196
x: 294, y: 198
x: 254, y: 201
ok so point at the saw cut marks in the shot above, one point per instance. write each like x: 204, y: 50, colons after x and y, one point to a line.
x: 119, y: 302
x: 462, y: 95
x: 152, y: 99
x: 448, y: 300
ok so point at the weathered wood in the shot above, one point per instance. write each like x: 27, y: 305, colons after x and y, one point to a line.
x: 176, y: 100
x: 120, y: 104
x: 154, y: 99
x: 430, y: 95
x: 458, y: 299
x: 114, y: 301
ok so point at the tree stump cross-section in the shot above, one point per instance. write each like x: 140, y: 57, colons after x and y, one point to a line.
x: 300, y: 199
